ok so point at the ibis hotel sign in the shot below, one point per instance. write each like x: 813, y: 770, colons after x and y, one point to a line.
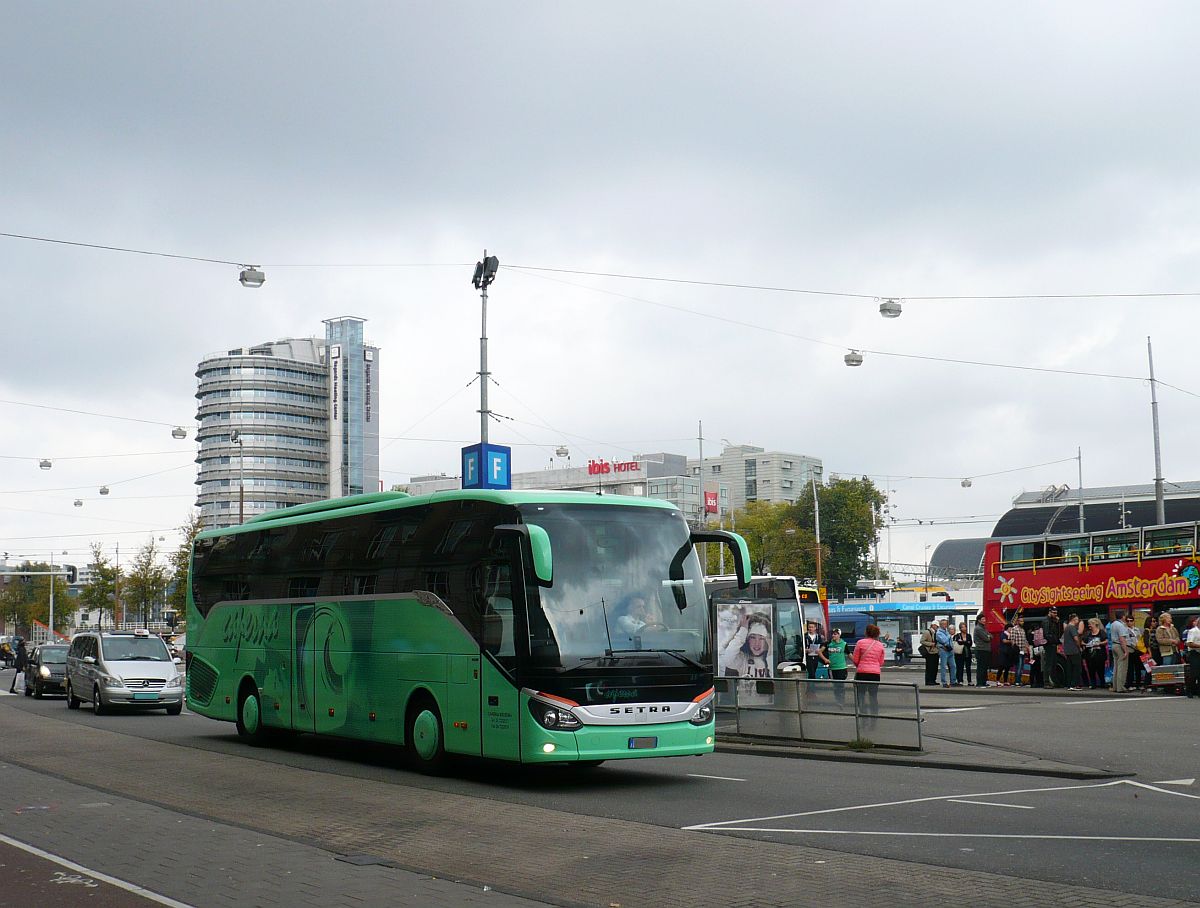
x: 602, y: 467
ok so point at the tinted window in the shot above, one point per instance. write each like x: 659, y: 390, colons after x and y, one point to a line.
x: 135, y: 649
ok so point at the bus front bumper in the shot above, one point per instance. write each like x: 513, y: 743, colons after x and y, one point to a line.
x: 616, y: 742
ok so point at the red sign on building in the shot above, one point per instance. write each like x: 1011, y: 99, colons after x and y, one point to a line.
x: 710, y: 503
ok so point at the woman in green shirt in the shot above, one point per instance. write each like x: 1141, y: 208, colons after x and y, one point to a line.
x: 835, y: 652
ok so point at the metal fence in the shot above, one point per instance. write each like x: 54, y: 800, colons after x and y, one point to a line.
x: 888, y: 714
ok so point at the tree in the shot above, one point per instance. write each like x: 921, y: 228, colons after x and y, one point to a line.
x: 776, y: 543
x: 851, y: 518
x: 147, y: 582
x: 180, y: 563
x: 99, y: 595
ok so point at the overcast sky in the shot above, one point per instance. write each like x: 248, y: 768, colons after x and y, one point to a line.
x: 908, y: 150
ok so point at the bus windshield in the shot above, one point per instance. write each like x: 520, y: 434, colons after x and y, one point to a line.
x: 626, y: 581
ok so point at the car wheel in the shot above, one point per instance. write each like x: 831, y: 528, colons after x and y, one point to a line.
x: 97, y: 703
x: 37, y: 689
x: 250, y: 718
x: 72, y: 700
x: 423, y: 737
x: 175, y: 710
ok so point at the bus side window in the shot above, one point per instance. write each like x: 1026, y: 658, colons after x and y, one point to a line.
x: 497, y: 637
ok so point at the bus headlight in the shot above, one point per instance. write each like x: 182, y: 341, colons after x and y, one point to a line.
x: 703, y: 715
x: 553, y: 717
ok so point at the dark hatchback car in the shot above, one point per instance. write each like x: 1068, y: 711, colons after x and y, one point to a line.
x: 47, y: 670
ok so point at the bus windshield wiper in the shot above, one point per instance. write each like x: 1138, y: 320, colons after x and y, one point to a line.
x: 677, y: 653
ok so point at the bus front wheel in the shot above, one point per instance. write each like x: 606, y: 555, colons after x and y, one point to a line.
x: 426, y: 749
x: 249, y: 716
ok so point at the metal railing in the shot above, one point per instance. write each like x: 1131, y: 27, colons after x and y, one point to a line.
x: 887, y: 714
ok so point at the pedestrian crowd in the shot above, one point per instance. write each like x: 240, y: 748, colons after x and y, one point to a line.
x: 1073, y: 653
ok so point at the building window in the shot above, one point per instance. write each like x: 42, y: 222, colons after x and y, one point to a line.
x: 716, y: 468
x: 787, y: 464
x: 787, y: 483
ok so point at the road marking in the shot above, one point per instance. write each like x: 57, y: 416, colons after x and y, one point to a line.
x: 696, y: 775
x: 95, y: 874
x: 1177, y: 782
x: 971, y: 835
x: 990, y: 804
x: 978, y: 794
x: 930, y: 711
x: 1118, y: 699
x: 732, y: 826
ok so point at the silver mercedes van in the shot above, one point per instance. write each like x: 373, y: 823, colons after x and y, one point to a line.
x: 130, y: 669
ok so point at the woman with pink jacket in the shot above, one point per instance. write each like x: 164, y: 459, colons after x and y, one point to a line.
x: 868, y: 666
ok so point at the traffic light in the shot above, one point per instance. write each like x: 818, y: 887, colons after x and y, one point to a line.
x: 171, y: 618
x: 72, y: 573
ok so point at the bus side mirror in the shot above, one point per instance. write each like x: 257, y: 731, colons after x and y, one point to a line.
x: 539, y: 548
x: 741, y: 553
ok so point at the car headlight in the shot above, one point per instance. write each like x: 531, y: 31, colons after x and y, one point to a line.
x: 44, y: 671
x: 176, y: 681
x: 111, y: 681
x: 553, y: 717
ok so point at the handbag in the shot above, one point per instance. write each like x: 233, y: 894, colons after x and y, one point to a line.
x: 958, y: 649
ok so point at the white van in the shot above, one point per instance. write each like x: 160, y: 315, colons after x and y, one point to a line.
x: 130, y: 669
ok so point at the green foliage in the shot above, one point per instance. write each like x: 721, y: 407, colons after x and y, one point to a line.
x: 180, y: 564
x: 782, y: 537
x: 146, y: 585
x: 99, y: 594
x: 23, y: 603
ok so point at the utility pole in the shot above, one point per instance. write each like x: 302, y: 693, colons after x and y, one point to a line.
x: 51, y: 622
x: 1160, y: 510
x: 485, y: 273
x: 816, y: 523
x: 1079, y: 458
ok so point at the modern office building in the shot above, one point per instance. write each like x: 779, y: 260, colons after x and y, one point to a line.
x: 287, y: 422
x: 750, y: 473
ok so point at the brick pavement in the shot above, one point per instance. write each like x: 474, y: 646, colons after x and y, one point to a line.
x: 555, y: 856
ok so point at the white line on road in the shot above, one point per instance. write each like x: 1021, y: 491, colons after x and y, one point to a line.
x: 990, y: 804
x: 696, y: 775
x: 1177, y: 782
x: 1117, y: 699
x: 94, y: 874
x: 930, y: 711
x: 972, y: 835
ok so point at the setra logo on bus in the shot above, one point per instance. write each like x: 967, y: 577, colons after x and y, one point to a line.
x: 637, y: 710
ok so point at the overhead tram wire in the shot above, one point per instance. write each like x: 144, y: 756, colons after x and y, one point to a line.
x: 894, y: 477
x: 401, y: 436
x: 149, y: 422
x: 89, y: 456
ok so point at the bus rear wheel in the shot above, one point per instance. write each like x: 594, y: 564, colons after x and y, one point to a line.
x: 249, y: 716
x: 423, y: 736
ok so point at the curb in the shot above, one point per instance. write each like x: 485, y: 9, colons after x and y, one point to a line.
x: 893, y: 758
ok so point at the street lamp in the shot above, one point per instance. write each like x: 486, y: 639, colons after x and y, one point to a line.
x: 78, y: 502
x: 236, y: 438
x: 251, y: 276
x: 44, y: 464
x: 853, y: 358
x: 103, y: 490
x: 179, y: 432
x: 966, y: 483
x: 890, y: 308
x: 485, y: 273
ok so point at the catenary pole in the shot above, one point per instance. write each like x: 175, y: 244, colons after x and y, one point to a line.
x: 1160, y: 515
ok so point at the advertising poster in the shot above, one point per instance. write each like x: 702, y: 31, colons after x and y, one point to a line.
x: 746, y: 646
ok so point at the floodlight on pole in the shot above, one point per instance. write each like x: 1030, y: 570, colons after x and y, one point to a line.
x: 251, y: 276
x: 485, y: 273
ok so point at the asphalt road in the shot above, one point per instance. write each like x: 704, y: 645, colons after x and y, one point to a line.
x: 1116, y: 834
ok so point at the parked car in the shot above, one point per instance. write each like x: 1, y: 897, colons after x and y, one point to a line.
x: 125, y: 668
x: 46, y: 670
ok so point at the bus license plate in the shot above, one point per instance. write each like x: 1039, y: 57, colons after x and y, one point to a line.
x: 149, y: 696
x: 642, y: 743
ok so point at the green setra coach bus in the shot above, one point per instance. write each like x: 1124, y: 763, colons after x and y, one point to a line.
x: 539, y: 627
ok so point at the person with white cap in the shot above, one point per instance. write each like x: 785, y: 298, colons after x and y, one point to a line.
x: 747, y: 654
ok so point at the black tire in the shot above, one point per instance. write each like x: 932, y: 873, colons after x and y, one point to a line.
x: 28, y: 690
x: 249, y: 717
x: 37, y: 689
x: 423, y: 736
x: 175, y: 710
x: 72, y: 700
x: 97, y: 704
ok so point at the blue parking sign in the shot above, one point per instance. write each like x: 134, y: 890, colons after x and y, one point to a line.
x: 486, y: 467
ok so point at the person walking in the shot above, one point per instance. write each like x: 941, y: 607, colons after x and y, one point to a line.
x: 1167, y: 638
x: 981, y: 645
x: 1073, y: 653
x: 1020, y: 645
x: 962, y: 654
x: 1095, y: 653
x: 814, y: 643
x: 1192, y: 644
x: 1135, y: 674
x: 20, y: 660
x: 1053, y: 634
x: 929, y: 652
x: 835, y: 655
x: 1118, y: 644
x: 945, y: 648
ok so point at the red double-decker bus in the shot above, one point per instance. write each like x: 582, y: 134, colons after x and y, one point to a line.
x: 1140, y: 570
